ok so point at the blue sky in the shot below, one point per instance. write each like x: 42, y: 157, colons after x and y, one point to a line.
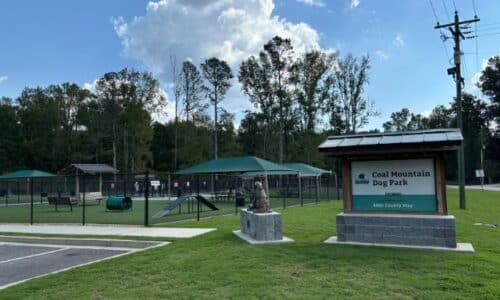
x: 45, y: 42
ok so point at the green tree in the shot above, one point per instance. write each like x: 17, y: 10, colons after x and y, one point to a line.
x: 475, y: 131
x: 10, y: 136
x: 489, y: 83
x: 405, y: 120
x: 127, y: 99
x: 440, y: 117
x: 41, y: 129
x: 277, y: 60
x: 312, y: 79
x: 191, y: 88
x: 255, y: 79
x: 218, y: 75
x: 351, y: 77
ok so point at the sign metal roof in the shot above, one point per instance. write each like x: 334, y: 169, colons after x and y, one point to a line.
x: 408, y: 138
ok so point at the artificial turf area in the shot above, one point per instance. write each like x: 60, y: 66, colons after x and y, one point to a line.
x: 219, y: 265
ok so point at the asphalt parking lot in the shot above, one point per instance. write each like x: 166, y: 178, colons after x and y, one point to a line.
x: 24, y: 258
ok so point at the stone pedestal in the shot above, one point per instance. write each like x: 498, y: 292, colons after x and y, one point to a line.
x: 417, y: 230
x: 257, y: 228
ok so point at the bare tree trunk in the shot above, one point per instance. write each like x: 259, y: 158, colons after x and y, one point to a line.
x: 114, y: 146
x: 125, y: 151
x: 216, y: 149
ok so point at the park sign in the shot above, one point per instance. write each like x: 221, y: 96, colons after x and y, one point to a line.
x: 394, y: 185
x: 394, y: 188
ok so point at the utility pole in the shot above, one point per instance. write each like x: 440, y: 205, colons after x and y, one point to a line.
x: 458, y: 35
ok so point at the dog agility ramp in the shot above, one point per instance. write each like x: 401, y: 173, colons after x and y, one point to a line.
x: 171, y: 206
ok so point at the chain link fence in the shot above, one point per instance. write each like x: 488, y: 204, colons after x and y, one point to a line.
x: 149, y: 199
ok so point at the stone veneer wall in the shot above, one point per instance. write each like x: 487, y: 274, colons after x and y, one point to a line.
x: 418, y: 230
x: 261, y: 227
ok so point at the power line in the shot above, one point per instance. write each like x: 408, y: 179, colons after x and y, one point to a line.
x: 446, y: 10
x: 475, y: 32
x: 434, y: 11
x: 489, y: 34
x: 454, y: 5
x: 442, y: 34
x: 489, y: 24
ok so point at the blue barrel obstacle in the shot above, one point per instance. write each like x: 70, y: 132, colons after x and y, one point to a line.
x: 118, y: 203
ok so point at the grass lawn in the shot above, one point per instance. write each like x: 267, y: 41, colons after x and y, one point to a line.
x: 219, y: 265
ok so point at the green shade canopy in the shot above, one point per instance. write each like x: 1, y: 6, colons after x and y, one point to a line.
x: 26, y: 174
x: 306, y: 170
x: 238, y: 165
x: 302, y: 169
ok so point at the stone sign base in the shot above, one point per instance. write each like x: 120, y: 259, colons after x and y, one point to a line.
x: 261, y: 228
x: 397, y: 229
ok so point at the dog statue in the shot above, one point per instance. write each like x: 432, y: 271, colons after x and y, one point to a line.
x: 261, y: 203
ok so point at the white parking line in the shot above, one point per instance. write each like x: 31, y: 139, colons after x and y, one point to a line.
x: 73, y: 246
x: 32, y: 255
x: 66, y: 247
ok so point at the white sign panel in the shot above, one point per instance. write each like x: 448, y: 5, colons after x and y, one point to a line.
x: 400, y: 185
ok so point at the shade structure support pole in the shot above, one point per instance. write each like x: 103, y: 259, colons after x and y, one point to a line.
x: 146, y: 199
x: 83, y: 201
x: 77, y: 186
x: 169, y: 185
x: 100, y: 183
x: 30, y: 180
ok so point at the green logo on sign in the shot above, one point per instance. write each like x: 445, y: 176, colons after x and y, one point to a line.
x: 361, y: 179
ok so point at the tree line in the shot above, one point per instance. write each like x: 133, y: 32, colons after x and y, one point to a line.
x: 299, y: 99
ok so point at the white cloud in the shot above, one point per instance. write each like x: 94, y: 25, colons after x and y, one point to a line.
x: 232, y: 30
x: 398, y: 40
x: 90, y: 85
x: 355, y: 3
x: 382, y: 55
x: 3, y: 78
x: 473, y: 89
x: 318, y: 3
x: 167, y: 111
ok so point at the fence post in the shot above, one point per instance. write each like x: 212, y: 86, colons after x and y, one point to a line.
x: 146, y: 199
x: 300, y: 191
x: 337, y: 186
x: 125, y: 183
x: 7, y: 194
x: 198, y: 198
x: 31, y: 200
x: 317, y: 189
x: 83, y: 200
x: 328, y: 181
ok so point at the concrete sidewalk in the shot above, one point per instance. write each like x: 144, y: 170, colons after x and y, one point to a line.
x: 100, y: 230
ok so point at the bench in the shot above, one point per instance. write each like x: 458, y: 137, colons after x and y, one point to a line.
x: 97, y: 196
x: 62, y: 201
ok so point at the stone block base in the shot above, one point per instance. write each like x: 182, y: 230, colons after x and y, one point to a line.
x: 397, y: 229
x: 261, y: 227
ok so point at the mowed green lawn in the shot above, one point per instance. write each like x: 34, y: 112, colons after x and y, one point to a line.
x: 219, y: 265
